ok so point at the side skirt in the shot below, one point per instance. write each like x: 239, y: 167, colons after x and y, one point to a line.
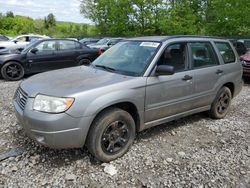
x: 174, y: 117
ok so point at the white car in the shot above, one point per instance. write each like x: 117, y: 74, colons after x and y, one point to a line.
x: 19, y: 42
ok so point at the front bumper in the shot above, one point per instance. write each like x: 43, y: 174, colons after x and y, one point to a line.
x: 53, y: 130
x: 246, y: 71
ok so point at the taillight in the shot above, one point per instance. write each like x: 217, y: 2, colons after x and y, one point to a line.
x: 99, y: 51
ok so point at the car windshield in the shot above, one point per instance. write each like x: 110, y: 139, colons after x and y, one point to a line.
x: 128, y: 57
x: 83, y: 40
x: 247, y: 43
x: 103, y: 41
x: 27, y: 48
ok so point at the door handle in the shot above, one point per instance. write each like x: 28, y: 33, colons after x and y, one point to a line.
x: 187, y: 77
x: 219, y: 71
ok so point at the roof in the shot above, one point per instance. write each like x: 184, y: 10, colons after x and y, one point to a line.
x: 164, y: 38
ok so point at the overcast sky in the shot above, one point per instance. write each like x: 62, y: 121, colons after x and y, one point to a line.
x: 64, y: 10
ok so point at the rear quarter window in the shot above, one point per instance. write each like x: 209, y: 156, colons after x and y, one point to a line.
x: 226, y: 52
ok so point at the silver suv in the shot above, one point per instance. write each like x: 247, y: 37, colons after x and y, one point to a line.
x: 137, y: 84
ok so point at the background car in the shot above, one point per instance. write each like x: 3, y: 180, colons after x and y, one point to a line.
x: 44, y: 55
x: 245, y: 60
x: 19, y: 42
x: 246, y: 42
x: 239, y: 46
x: 105, y: 43
x: 87, y: 41
x: 4, y: 38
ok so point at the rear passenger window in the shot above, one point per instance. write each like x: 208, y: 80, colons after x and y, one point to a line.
x: 67, y: 45
x: 203, y: 55
x: 226, y: 52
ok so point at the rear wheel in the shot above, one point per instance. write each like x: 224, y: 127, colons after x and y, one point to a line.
x: 12, y: 71
x: 221, y: 104
x: 111, y: 134
x: 84, y: 62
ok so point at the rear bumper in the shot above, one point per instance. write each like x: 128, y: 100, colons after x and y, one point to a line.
x: 53, y: 130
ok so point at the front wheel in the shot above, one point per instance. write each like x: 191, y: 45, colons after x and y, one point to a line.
x: 111, y: 134
x: 12, y: 71
x: 221, y: 104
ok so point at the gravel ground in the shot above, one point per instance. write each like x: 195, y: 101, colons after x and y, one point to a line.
x: 192, y: 152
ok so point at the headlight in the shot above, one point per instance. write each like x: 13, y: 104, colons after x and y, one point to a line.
x: 49, y: 104
x: 243, y: 63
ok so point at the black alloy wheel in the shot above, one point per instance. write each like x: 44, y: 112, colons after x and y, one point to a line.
x: 221, y: 104
x: 115, y: 136
x: 84, y: 62
x: 111, y: 134
x: 12, y: 71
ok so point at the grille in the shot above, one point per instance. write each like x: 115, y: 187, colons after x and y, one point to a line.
x: 21, y: 98
x: 247, y: 63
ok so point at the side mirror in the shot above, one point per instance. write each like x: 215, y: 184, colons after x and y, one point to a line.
x: 34, y: 50
x: 164, y: 70
x: 15, y: 41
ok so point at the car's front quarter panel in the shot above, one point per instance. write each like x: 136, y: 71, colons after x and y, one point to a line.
x: 90, y: 103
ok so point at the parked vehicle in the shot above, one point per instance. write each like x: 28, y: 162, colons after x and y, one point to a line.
x: 136, y: 84
x: 3, y: 38
x: 245, y: 59
x: 75, y: 39
x: 246, y: 42
x: 240, y: 47
x: 45, y: 55
x: 87, y: 41
x: 105, y: 43
x: 20, y: 42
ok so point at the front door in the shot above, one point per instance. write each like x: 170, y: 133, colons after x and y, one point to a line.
x: 170, y: 95
x: 45, y: 57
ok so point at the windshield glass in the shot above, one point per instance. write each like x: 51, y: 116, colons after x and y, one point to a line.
x: 247, y: 43
x: 103, y: 41
x: 128, y: 57
x: 27, y: 48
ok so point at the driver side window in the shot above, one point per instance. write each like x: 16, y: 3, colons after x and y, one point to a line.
x: 175, y: 55
x: 46, y: 47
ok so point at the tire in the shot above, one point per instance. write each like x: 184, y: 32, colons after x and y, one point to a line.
x: 12, y: 71
x: 84, y: 62
x: 221, y: 103
x: 111, y: 134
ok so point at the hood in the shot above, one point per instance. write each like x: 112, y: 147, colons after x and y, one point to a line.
x: 12, y: 45
x: 245, y: 57
x: 8, y: 51
x: 70, y: 81
x: 7, y: 43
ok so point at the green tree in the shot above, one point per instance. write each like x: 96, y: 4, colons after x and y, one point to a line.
x: 10, y: 14
x: 49, y: 21
x: 228, y: 18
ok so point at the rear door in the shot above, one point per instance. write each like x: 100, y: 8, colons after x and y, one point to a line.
x: 207, y: 72
x: 45, y: 58
x: 67, y: 53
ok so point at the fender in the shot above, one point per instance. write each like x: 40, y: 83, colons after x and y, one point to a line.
x: 113, y: 98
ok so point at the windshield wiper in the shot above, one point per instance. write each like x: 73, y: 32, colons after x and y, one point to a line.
x: 106, y: 68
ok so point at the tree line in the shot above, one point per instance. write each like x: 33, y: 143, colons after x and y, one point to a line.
x: 13, y: 25
x: 168, y: 17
